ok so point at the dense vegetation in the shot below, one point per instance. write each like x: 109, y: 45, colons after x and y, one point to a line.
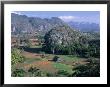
x: 92, y: 69
x: 16, y: 56
x: 64, y: 40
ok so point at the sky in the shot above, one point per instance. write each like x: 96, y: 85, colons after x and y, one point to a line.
x: 67, y: 16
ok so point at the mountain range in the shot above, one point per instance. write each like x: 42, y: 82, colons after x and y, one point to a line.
x: 24, y: 24
x: 85, y: 26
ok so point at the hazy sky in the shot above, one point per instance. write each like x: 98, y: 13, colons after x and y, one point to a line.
x: 76, y: 16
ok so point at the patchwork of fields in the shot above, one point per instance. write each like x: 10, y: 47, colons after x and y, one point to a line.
x: 50, y: 46
x: 44, y: 62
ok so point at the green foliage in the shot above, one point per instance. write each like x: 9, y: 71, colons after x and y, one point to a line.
x: 61, y: 66
x: 50, y: 75
x: 63, y: 73
x: 59, y: 39
x: 18, y: 73
x: 92, y: 69
x: 55, y: 59
x: 16, y: 56
x: 34, y: 72
x: 63, y: 40
x: 94, y: 46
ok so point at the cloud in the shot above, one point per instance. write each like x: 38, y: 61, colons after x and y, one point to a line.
x: 16, y: 12
x: 67, y: 18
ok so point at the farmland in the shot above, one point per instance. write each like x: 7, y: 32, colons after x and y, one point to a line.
x: 51, y: 47
x: 44, y: 63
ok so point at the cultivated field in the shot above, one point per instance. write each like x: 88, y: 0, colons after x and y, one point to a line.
x: 36, y: 58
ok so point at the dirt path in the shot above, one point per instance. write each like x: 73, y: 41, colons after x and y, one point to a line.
x: 31, y: 55
x: 45, y: 65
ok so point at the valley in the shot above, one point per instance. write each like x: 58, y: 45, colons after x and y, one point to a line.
x: 50, y: 47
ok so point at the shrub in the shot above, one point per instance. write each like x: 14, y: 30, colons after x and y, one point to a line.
x: 91, y: 69
x: 35, y: 72
x: 18, y: 73
x: 49, y: 75
x: 55, y: 58
x: 16, y: 56
x: 62, y: 73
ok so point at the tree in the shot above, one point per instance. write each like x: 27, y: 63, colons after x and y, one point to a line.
x: 92, y: 69
x: 59, y: 39
x: 64, y: 40
x: 94, y: 48
x: 55, y: 59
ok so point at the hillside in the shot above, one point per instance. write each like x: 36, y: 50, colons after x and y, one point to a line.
x: 65, y: 40
x: 63, y: 35
x: 24, y: 24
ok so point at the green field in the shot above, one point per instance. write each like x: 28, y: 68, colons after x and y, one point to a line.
x: 45, y: 64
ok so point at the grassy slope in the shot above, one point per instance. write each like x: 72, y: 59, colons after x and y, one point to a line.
x: 66, y: 65
x: 60, y: 66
